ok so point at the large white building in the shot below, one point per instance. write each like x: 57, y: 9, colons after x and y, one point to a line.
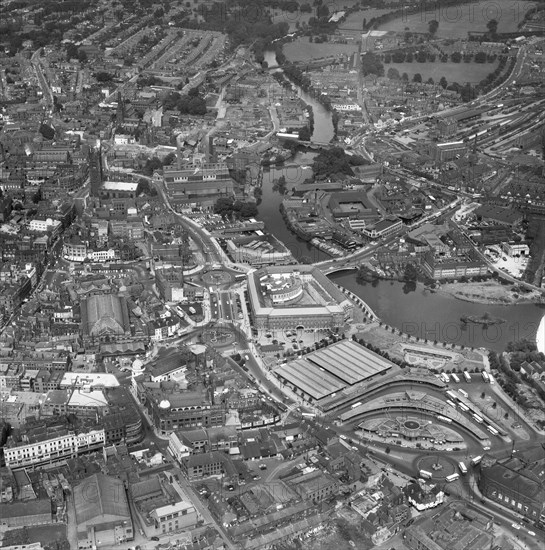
x: 54, y: 449
x: 296, y: 296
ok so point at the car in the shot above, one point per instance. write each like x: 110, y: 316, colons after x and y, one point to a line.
x: 531, y: 533
x: 256, y: 477
x: 262, y: 466
x: 154, y: 539
x: 515, y: 526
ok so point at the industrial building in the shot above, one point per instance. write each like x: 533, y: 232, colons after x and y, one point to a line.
x: 332, y: 369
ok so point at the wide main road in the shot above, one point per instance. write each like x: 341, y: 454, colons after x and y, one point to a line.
x: 205, y: 242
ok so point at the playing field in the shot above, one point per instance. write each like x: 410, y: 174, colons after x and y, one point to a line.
x: 453, y: 72
x: 303, y: 50
x: 456, y: 21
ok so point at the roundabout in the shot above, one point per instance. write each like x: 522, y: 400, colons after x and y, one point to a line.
x: 217, y: 277
x: 439, y: 466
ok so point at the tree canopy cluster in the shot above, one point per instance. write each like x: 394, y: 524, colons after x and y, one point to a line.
x: 230, y: 208
x: 371, y: 64
x: 330, y: 162
x: 190, y: 104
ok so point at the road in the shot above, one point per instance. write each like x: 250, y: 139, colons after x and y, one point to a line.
x: 203, y: 240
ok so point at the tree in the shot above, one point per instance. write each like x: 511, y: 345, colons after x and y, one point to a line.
x: 405, y: 77
x: 456, y: 57
x: 492, y: 27
x: 370, y: 64
x: 433, y: 26
x: 417, y: 77
x: 431, y: 81
x: 47, y: 131
x: 480, y: 57
x: 393, y: 74
x: 409, y: 57
x: 443, y: 82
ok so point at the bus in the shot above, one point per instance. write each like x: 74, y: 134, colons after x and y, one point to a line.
x: 451, y: 403
x: 425, y: 475
x: 477, y: 418
x: 452, y: 477
x: 444, y: 419
x: 463, y: 407
x: 462, y: 467
x: 355, y: 405
x: 492, y: 430
x: 464, y: 393
x: 476, y: 460
x: 491, y: 379
x: 455, y: 378
x: 467, y: 376
x: 308, y: 415
x: 452, y: 395
x: 485, y: 376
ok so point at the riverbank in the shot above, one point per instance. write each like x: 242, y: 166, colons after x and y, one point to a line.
x: 489, y: 292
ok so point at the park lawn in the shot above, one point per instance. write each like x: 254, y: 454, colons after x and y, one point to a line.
x: 457, y: 21
x: 453, y: 72
x: 303, y: 50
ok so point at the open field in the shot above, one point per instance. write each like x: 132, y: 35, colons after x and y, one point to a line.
x: 453, y: 72
x: 303, y: 50
x: 457, y: 21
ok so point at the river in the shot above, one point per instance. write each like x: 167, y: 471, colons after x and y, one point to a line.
x: 424, y: 314
x: 295, y: 171
x: 437, y: 317
x: 323, y: 123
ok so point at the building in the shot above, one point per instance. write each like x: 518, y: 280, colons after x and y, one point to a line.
x: 383, y: 229
x: 296, y: 296
x: 51, y: 445
x: 259, y: 250
x: 516, y: 484
x: 199, y: 184
x: 442, y: 152
x: 21, y: 514
x: 458, y: 525
x: 453, y: 267
x: 447, y: 127
x: 102, y: 513
x: 499, y: 215
x: 332, y: 369
x: 203, y: 465
x: 170, y: 284
x: 162, y: 507
x: 118, y: 190
x: 74, y: 250
x: 105, y: 315
x: 516, y: 249
x: 315, y: 486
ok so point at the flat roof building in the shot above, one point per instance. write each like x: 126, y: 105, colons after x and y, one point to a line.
x: 296, y: 296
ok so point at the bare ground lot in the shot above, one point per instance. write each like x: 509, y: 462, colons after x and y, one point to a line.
x: 489, y: 292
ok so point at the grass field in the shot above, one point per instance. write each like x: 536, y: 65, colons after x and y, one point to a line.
x: 303, y: 50
x: 453, y: 72
x: 456, y: 21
